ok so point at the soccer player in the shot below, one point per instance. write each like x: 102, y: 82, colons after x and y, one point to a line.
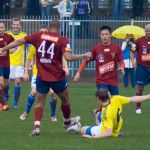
x: 50, y: 47
x: 107, y: 56
x: 16, y: 61
x: 142, y: 64
x: 5, y: 39
x: 111, y: 114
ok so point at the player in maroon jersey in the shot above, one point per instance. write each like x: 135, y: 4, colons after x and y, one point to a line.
x: 142, y: 64
x: 50, y: 47
x: 5, y: 39
x: 107, y: 56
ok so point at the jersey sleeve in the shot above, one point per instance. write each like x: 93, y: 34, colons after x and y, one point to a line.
x: 108, y: 120
x: 124, y: 100
x: 66, y: 45
x: 32, y: 38
x: 11, y: 39
x: 93, y: 55
x: 31, y: 52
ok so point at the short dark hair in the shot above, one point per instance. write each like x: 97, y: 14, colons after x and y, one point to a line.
x: 16, y: 19
x: 102, y: 94
x: 105, y: 28
x: 54, y: 24
x: 43, y: 26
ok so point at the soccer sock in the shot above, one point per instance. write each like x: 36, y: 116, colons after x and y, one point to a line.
x: 6, y: 90
x: 16, y: 95
x: 1, y: 96
x: 66, y: 113
x: 138, y: 105
x: 30, y: 102
x: 53, y: 107
x: 38, y: 113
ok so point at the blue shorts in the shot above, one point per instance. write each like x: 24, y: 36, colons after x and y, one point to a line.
x: 43, y: 87
x: 112, y: 89
x: 142, y: 75
x: 5, y: 72
x: 88, y: 130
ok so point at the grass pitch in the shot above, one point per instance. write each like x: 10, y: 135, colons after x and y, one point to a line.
x: 14, y: 133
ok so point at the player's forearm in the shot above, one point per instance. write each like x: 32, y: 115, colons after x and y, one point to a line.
x: 73, y: 57
x: 14, y: 44
x: 132, y: 56
x: 137, y: 99
x: 27, y: 64
x: 83, y: 65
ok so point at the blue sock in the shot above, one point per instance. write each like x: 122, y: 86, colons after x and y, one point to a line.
x: 30, y: 102
x: 53, y: 107
x: 99, y: 116
x: 16, y: 95
x: 6, y: 94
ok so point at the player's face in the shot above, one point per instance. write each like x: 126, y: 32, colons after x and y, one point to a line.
x: 43, y: 30
x: 147, y: 31
x: 2, y: 28
x: 105, y: 36
x: 16, y: 26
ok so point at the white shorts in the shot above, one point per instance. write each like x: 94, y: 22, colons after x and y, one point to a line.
x: 16, y: 72
x: 33, y: 81
x: 94, y: 130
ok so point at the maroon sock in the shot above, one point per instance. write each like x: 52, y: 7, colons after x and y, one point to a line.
x: 66, y: 113
x: 138, y: 105
x: 1, y: 96
x: 38, y: 113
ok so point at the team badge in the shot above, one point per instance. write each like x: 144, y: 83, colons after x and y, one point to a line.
x: 113, y: 55
x: 101, y: 58
x: 144, y: 49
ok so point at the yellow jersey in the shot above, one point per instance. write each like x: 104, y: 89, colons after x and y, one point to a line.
x: 31, y: 55
x: 111, y: 114
x: 17, y: 58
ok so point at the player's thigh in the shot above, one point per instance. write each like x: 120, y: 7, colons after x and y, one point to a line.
x: 52, y: 94
x: 1, y: 82
x: 42, y: 87
x: 18, y: 71
x: 93, y: 130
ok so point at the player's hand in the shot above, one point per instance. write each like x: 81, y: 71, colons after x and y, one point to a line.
x: 77, y: 77
x: 134, y: 64
x: 88, y: 55
x: 122, y: 70
x: 26, y: 77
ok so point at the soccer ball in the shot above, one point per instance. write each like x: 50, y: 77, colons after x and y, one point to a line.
x: 74, y: 129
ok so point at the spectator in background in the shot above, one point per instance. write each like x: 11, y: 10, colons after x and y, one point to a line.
x: 83, y: 11
x: 7, y: 8
x: 127, y: 45
x: 137, y: 9
x: 118, y: 9
x: 65, y: 9
x: 46, y: 8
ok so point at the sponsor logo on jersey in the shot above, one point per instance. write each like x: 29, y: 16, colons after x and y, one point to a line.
x: 1, y: 39
x: 49, y: 38
x: 145, y: 57
x: 113, y: 55
x: 45, y: 61
x: 107, y: 67
x: 101, y: 57
x: 148, y: 42
x: 144, y: 49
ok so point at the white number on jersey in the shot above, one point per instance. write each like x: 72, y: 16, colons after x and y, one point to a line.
x: 50, y: 50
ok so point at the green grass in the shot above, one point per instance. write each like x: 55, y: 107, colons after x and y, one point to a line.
x: 14, y: 133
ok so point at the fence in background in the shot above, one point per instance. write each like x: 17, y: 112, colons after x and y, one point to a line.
x: 83, y: 34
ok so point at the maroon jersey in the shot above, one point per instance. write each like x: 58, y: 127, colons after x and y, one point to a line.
x: 50, y: 48
x: 4, y: 58
x: 143, y: 51
x: 107, y: 58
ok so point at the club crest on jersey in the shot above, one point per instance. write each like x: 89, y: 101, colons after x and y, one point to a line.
x: 144, y: 49
x: 101, y: 57
x: 113, y: 55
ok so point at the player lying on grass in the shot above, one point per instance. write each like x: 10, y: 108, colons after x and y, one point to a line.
x: 111, y: 118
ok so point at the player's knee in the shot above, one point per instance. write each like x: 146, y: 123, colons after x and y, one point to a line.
x: 83, y: 130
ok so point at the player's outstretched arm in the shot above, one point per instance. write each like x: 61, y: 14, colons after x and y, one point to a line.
x: 65, y: 66
x: 132, y: 59
x: 14, y: 44
x: 137, y: 99
x: 81, y: 68
x: 26, y: 73
x: 72, y: 57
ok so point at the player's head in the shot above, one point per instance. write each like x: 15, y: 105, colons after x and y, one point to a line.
x: 147, y: 30
x: 43, y: 28
x: 102, y: 95
x: 2, y: 28
x: 16, y: 25
x: 54, y: 26
x: 105, y: 34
